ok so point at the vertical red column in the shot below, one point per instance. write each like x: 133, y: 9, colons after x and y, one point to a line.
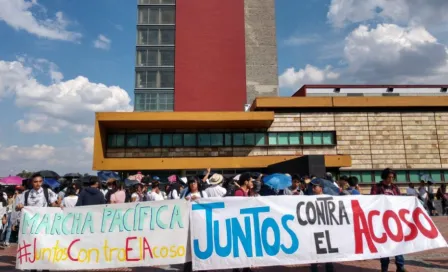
x: 210, y: 62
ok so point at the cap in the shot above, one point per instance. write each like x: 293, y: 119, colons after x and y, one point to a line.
x: 317, y: 182
x: 155, y: 178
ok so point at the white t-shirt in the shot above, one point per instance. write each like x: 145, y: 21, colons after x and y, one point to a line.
x: 69, y: 201
x: 216, y: 191
x: 422, y: 192
x: 37, y: 198
x: 173, y: 195
x: 197, y: 194
x: 153, y: 196
x: 136, y: 196
x: 411, y: 192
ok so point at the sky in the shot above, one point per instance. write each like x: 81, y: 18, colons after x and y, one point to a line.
x: 63, y: 60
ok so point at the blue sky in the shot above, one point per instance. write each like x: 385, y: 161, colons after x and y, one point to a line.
x: 62, y: 60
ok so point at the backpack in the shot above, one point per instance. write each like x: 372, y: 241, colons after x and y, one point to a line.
x: 47, y: 198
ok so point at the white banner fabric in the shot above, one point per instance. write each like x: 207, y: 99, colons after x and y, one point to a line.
x: 105, y: 236
x: 290, y: 230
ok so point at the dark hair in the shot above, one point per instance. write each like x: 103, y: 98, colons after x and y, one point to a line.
x: 243, y: 178
x: 155, y: 184
x: 344, y: 178
x: 36, y: 175
x: 193, y: 179
x: 353, y: 181
x: 295, y: 177
x: 93, y: 180
x: 70, y: 191
x: 386, y: 172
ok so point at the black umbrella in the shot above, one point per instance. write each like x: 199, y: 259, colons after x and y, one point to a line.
x: 48, y: 174
x: 72, y: 175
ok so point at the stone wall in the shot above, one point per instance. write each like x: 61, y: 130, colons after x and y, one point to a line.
x: 376, y: 140
x: 261, y: 49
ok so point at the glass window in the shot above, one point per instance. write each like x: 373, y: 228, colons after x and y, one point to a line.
x: 142, y: 140
x: 238, y: 139
x: 282, y: 138
x: 307, y: 138
x: 249, y: 139
x: 317, y: 138
x: 357, y: 175
x: 111, y: 140
x: 436, y: 175
x: 228, y: 139
x: 445, y: 175
x: 401, y: 176
x: 327, y: 138
x: 204, y: 139
x: 153, y: 15
x: 217, y: 139
x: 167, y: 57
x: 260, y: 139
x: 154, y: 140
x: 294, y: 138
x: 177, y: 139
x: 189, y: 139
x: 167, y: 36
x: 167, y: 79
x: 344, y: 173
x: 167, y: 15
x: 378, y: 176
x: 366, y: 176
x: 273, y: 139
x: 167, y: 139
x: 414, y: 176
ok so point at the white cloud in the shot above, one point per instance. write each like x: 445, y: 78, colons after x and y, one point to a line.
x: 294, y: 79
x: 412, y: 12
x: 301, y: 40
x: 88, y: 144
x: 61, y: 105
x: 21, y: 15
x: 390, y: 53
x: 72, y: 158
x: 102, y: 42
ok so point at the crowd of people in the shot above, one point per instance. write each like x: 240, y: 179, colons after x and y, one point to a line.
x: 93, y: 192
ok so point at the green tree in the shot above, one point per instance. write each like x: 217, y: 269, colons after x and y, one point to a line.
x: 25, y: 174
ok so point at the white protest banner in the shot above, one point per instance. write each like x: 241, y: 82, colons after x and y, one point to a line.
x: 104, y: 236
x: 289, y: 230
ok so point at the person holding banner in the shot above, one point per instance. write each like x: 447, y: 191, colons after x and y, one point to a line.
x: 194, y: 190
x: 318, y: 189
x: 387, y: 187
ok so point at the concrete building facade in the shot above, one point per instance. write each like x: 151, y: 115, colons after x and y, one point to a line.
x: 357, y: 136
x: 195, y: 55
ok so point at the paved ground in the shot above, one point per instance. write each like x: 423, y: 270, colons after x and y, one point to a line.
x: 433, y: 260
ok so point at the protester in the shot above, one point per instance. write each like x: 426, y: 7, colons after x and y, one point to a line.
x: 116, y: 193
x: 194, y: 190
x: 353, y: 187
x: 174, y: 190
x: 37, y: 196
x: 70, y: 199
x: 387, y: 187
x: 3, y: 229
x: 318, y: 188
x: 91, y: 195
x: 244, y: 184
x: 294, y: 189
x: 410, y: 191
x: 155, y: 194
x: 216, y: 190
x: 137, y: 193
x: 442, y: 195
x: 431, y: 207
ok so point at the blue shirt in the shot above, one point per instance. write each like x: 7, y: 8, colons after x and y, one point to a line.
x: 353, y: 191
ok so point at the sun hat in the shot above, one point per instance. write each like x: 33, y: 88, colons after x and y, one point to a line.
x: 216, y: 179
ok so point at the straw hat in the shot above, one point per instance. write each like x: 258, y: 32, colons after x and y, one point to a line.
x: 216, y: 179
